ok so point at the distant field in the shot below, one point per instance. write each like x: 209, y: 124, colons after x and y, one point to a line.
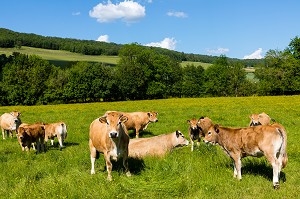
x: 60, y: 55
x: 204, y: 173
x: 204, y: 65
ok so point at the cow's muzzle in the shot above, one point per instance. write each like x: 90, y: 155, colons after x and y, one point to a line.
x: 113, y: 134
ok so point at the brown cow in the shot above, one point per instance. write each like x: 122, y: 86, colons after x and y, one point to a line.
x: 34, y: 133
x: 267, y: 140
x: 156, y: 145
x: 59, y: 130
x: 10, y: 122
x: 259, y: 119
x: 138, y: 120
x: 108, y: 135
x: 197, y: 129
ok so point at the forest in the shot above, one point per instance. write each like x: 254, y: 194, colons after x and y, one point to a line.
x: 141, y: 73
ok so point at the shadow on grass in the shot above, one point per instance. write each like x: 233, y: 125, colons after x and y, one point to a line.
x: 55, y: 146
x: 141, y: 134
x: 135, y: 165
x: 260, y: 167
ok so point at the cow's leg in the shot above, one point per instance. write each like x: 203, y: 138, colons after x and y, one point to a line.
x: 3, y: 133
x: 276, y: 169
x: 93, y: 154
x: 137, y: 131
x: 198, y: 141
x: 108, y: 166
x: 237, y: 164
x: 192, y: 142
x: 60, y: 142
x: 125, y: 164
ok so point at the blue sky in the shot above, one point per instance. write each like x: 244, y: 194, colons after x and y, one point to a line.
x: 235, y: 28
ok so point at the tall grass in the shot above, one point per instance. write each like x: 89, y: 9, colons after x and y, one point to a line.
x: 205, y: 173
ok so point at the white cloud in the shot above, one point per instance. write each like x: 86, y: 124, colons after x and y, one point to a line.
x: 255, y: 55
x: 176, y: 14
x: 217, y: 51
x: 128, y: 10
x: 103, y: 38
x: 168, y: 43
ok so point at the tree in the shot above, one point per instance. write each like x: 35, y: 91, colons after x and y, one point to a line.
x: 193, y: 80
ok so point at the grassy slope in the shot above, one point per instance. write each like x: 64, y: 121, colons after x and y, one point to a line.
x: 205, y: 173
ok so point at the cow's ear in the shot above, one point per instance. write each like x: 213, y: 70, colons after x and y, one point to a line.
x: 177, y: 133
x: 216, y: 128
x: 201, y: 118
x: 149, y: 114
x: 102, y: 119
x: 123, y: 118
x: 188, y: 121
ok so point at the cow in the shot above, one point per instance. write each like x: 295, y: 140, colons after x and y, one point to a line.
x: 197, y: 128
x: 29, y: 134
x: 59, y: 130
x: 108, y: 135
x: 139, y: 120
x: 267, y: 140
x: 259, y: 119
x: 10, y: 122
x: 157, y: 145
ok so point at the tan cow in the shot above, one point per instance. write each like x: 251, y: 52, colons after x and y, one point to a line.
x: 108, y: 135
x: 194, y: 132
x: 267, y: 140
x: 34, y: 133
x: 156, y: 145
x: 59, y: 130
x: 138, y: 120
x: 10, y: 122
x: 197, y: 129
x: 259, y: 119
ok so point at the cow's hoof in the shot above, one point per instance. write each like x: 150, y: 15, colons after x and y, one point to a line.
x: 128, y: 174
x: 109, y: 178
x: 276, y: 185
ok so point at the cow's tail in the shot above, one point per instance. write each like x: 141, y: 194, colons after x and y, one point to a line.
x: 64, y: 130
x: 283, y: 153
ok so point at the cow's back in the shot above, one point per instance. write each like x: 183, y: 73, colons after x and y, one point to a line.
x: 6, y: 121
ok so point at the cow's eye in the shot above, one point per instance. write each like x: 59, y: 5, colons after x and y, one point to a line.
x: 209, y: 133
x: 107, y: 123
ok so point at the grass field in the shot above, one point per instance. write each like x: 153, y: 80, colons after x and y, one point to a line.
x: 205, y: 173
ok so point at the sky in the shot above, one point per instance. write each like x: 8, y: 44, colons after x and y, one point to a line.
x: 235, y: 28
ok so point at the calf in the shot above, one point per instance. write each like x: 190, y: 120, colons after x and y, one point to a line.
x: 108, y: 135
x: 10, y: 122
x: 197, y: 129
x: 58, y: 130
x: 139, y: 120
x: 268, y: 140
x: 34, y: 133
x: 156, y: 145
x: 259, y: 119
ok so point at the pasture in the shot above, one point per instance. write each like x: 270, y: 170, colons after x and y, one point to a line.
x: 204, y: 173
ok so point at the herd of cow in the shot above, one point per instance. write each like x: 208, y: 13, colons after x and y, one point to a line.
x: 109, y: 135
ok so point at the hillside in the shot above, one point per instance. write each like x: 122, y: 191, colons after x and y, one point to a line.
x: 11, y: 39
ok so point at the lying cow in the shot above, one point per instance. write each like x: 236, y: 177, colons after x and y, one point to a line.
x: 10, y: 122
x: 138, y: 120
x: 58, y: 130
x: 268, y: 140
x: 108, y: 135
x: 197, y: 128
x: 29, y: 134
x: 156, y: 145
x: 259, y: 119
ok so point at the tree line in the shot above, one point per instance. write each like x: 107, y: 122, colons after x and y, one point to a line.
x: 11, y: 39
x: 142, y: 74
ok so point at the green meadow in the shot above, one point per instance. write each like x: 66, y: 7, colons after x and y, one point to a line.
x: 204, y: 173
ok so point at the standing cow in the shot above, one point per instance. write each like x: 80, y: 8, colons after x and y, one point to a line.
x: 259, y: 119
x: 267, y: 140
x: 138, y: 120
x: 29, y: 134
x: 108, y: 135
x: 156, y: 145
x: 59, y: 130
x: 10, y: 122
x: 197, y: 129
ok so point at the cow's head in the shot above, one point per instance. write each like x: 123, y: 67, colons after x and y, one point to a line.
x: 22, y: 135
x: 152, y: 116
x: 254, y: 120
x: 204, y: 123
x: 193, y: 123
x: 212, y: 134
x: 180, y: 139
x: 114, y: 122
